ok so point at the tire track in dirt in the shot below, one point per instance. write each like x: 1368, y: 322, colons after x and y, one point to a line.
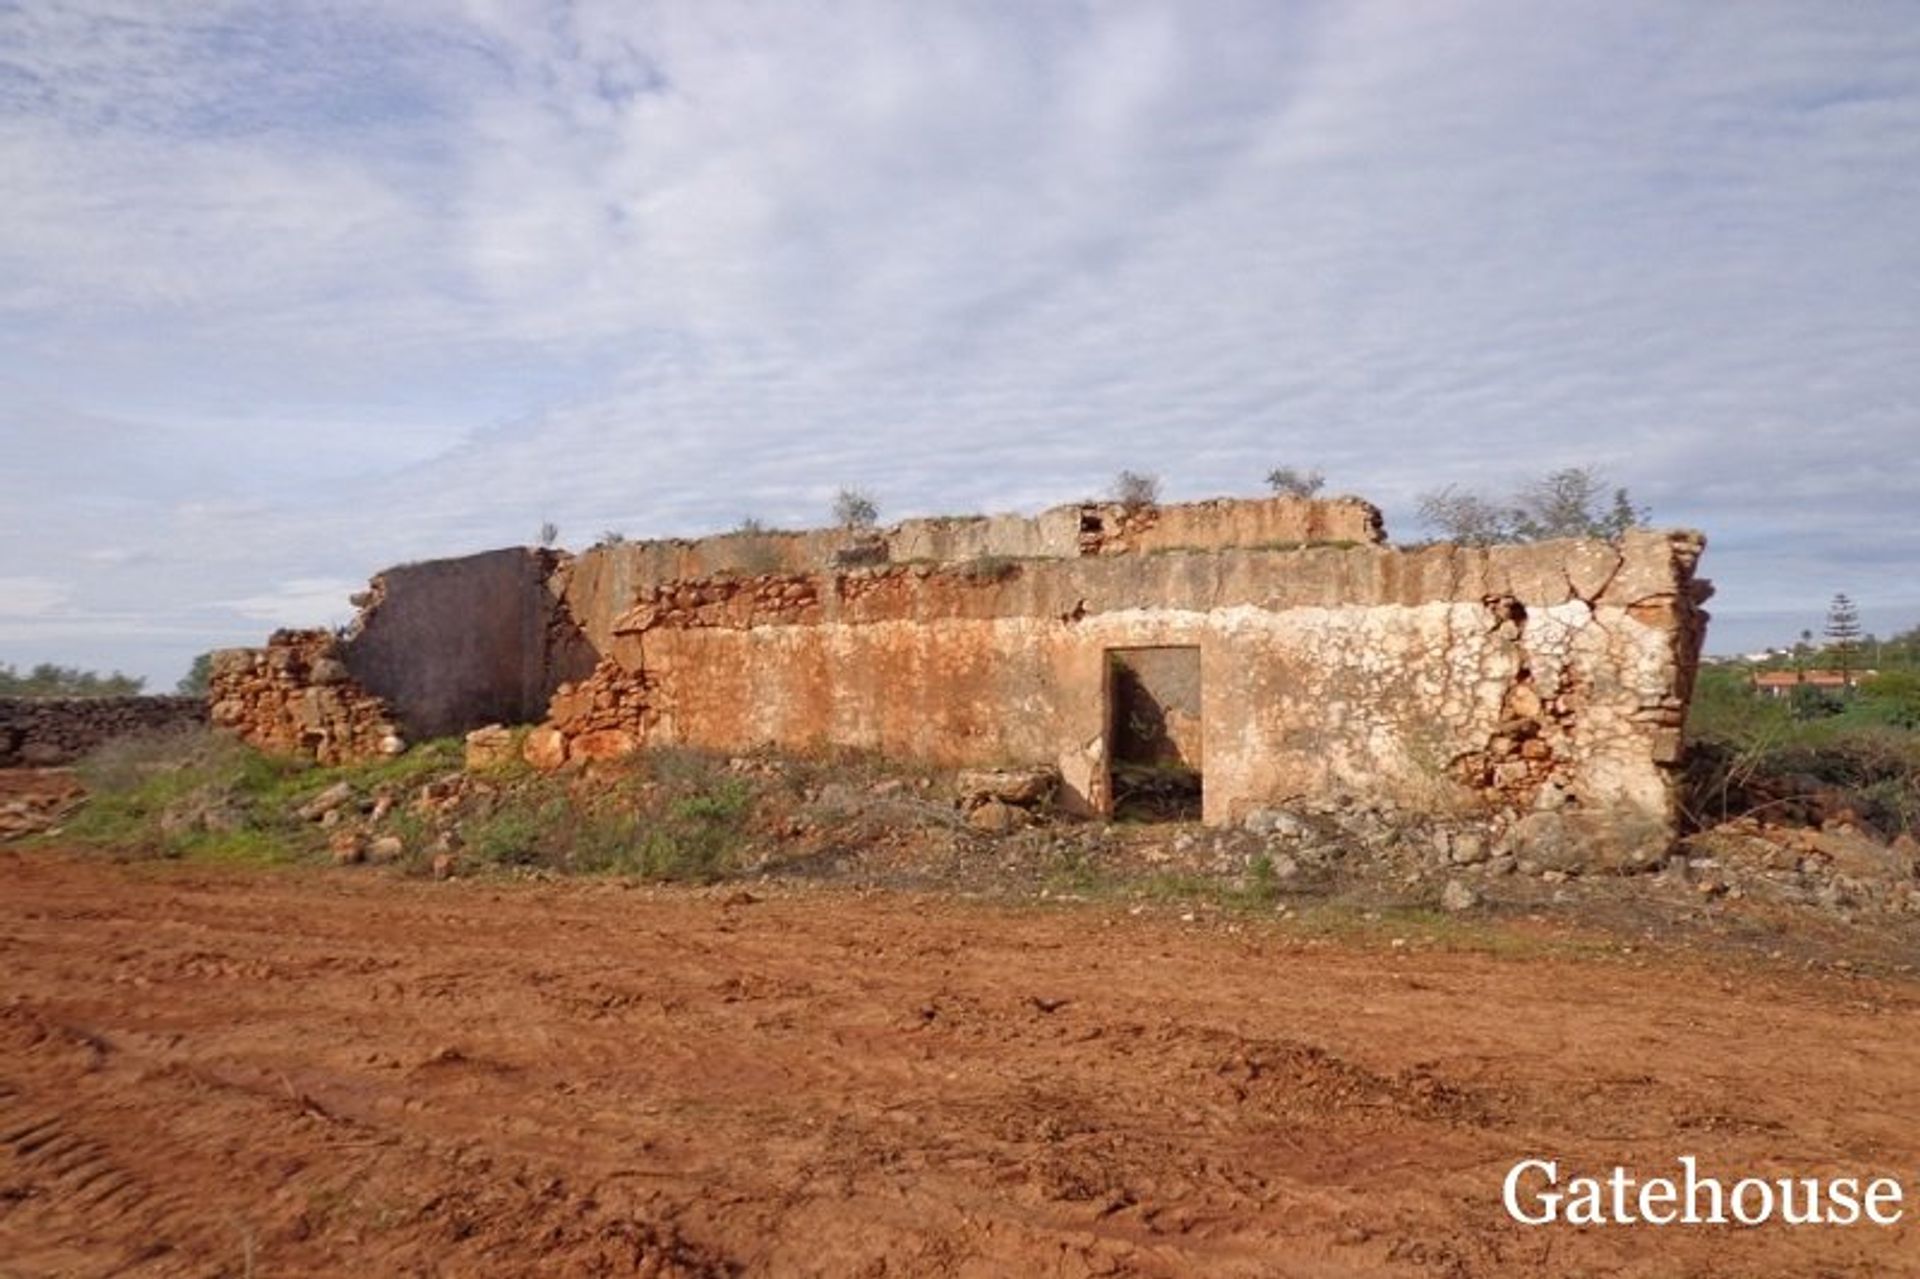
x: 313, y: 1073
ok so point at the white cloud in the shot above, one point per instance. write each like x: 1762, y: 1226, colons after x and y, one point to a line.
x: 116, y: 555
x: 294, y: 297
x: 30, y: 597
x: 300, y: 601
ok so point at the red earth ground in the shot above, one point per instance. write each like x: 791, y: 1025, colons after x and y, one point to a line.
x: 307, y: 1072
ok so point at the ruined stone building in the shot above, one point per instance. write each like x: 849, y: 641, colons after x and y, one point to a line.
x: 1270, y: 651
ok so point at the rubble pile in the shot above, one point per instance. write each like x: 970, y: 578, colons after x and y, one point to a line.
x: 295, y: 696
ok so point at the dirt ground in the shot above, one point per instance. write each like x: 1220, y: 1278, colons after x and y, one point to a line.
x: 250, y: 1072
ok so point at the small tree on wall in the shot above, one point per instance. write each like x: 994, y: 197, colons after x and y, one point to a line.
x: 1464, y: 517
x: 1136, y: 490
x: 1571, y: 502
x: 854, y: 509
x: 1287, y: 481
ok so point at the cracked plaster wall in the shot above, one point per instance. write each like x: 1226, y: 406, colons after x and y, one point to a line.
x: 1500, y: 680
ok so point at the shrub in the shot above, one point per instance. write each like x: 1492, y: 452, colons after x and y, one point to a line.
x: 1286, y: 481
x: 700, y: 836
x: 1751, y: 754
x: 511, y: 834
x: 853, y: 509
x: 1570, y: 502
x: 1136, y: 490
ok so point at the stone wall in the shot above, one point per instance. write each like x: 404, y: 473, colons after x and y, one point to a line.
x: 41, y: 731
x: 604, y: 582
x: 296, y: 696
x: 450, y: 645
x: 1510, y: 680
x: 1544, y: 685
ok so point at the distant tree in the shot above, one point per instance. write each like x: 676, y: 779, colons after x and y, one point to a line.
x: 1136, y: 490
x: 751, y: 526
x: 853, y: 509
x: 198, y: 679
x: 1843, y: 638
x: 49, y: 680
x: 612, y: 537
x: 549, y: 532
x: 1286, y: 481
x: 1571, y: 502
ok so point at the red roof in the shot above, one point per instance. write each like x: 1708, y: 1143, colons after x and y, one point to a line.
x: 1812, y: 679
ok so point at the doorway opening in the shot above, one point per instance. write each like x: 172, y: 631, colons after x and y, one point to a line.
x: 1153, y: 733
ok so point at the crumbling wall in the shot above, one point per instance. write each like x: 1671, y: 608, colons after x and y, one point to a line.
x: 606, y: 580
x: 296, y: 696
x: 36, y: 731
x: 1222, y: 523
x: 1544, y: 686
x: 1510, y: 680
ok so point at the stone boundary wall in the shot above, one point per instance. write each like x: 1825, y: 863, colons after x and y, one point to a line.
x: 37, y: 732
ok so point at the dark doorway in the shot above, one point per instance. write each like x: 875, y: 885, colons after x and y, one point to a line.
x: 1153, y: 733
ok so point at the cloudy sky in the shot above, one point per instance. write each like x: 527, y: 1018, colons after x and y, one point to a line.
x: 291, y: 291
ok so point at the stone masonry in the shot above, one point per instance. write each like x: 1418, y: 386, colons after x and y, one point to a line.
x: 295, y: 696
x: 1542, y: 686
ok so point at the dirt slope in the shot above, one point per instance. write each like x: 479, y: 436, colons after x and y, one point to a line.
x: 336, y: 1073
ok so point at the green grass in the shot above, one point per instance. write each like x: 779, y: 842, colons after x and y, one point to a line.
x: 181, y: 793
x: 511, y: 835
x: 238, y: 848
x: 203, y: 796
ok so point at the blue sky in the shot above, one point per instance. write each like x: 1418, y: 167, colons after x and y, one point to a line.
x: 289, y: 292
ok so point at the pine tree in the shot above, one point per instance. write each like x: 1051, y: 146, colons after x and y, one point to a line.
x: 1843, y: 637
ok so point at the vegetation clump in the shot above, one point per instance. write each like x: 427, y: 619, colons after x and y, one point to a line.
x: 1811, y: 757
x: 1571, y: 502
x: 204, y: 795
x: 1288, y: 481
x: 50, y: 680
x: 1136, y: 490
x: 855, y: 510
